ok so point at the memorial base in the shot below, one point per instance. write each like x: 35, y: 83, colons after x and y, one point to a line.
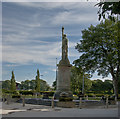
x: 57, y: 94
x: 68, y: 104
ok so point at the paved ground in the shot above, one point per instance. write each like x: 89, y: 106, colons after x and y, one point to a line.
x: 17, y: 110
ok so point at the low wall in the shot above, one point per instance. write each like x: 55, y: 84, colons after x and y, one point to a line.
x: 38, y: 101
x: 47, y: 102
x: 68, y: 104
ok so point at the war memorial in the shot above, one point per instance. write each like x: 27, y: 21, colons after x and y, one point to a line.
x: 64, y: 71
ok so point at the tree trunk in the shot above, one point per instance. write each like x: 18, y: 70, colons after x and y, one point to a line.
x: 115, y: 77
x: 115, y: 85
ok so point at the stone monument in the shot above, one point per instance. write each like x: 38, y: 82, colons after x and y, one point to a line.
x: 64, y: 71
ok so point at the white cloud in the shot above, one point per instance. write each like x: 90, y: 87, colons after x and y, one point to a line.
x: 73, y: 13
x: 50, y: 4
x: 11, y: 65
x: 103, y: 79
x: 45, y: 72
x: 71, y: 17
x: 72, y: 44
x: 35, y: 54
x: 51, y: 1
x: 23, y: 38
x: 43, y: 54
x: 54, y: 70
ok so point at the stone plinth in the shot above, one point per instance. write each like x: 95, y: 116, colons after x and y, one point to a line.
x: 63, y: 80
x: 66, y: 104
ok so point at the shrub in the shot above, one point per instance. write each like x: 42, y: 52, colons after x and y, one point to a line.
x: 26, y: 92
x: 11, y: 92
x: 65, y: 99
x: 16, y: 96
x: 32, y: 92
x: 88, y: 92
x: 99, y: 95
x: 91, y: 95
x: 49, y: 93
x: 75, y: 93
x: 118, y: 97
x: 75, y: 97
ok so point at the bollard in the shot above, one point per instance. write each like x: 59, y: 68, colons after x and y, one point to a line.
x: 80, y: 103
x: 23, y: 100
x: 107, y: 102
x: 3, y: 97
x: 94, y: 96
x: 52, y: 102
x: 115, y: 100
x: 87, y: 97
x: 36, y: 95
x: 8, y: 99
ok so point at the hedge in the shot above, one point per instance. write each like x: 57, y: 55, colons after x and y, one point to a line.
x: 16, y: 96
x: 65, y: 99
x: 26, y: 92
x: 49, y: 93
x: 32, y: 92
x: 10, y: 92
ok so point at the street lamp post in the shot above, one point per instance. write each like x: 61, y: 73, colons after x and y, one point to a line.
x: 56, y: 72
x: 83, y: 84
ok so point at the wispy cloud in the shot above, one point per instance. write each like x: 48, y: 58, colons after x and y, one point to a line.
x: 43, y: 54
x: 51, y: 1
x: 26, y: 42
x: 35, y: 54
x: 72, y: 17
x: 54, y: 70
x: 32, y: 33
x: 50, y: 4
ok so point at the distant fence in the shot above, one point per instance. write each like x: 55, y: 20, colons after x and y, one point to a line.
x: 85, y: 103
x: 47, y: 102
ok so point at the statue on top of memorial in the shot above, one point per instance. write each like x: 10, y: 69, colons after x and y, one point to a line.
x: 64, y: 49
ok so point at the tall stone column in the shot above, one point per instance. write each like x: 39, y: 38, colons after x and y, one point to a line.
x: 64, y: 71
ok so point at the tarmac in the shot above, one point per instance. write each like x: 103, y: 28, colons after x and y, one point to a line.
x: 29, y: 110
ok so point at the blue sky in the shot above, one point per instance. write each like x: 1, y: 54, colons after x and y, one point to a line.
x: 31, y: 36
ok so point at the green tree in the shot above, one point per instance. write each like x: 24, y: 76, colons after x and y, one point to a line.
x: 38, y: 81
x: 77, y: 80
x: 25, y: 85
x: 44, y: 86
x: 13, y: 83
x: 54, y: 85
x: 98, y: 86
x: 108, y: 85
x: 100, y: 51
x: 108, y: 9
x: 31, y: 84
x: 6, y: 84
